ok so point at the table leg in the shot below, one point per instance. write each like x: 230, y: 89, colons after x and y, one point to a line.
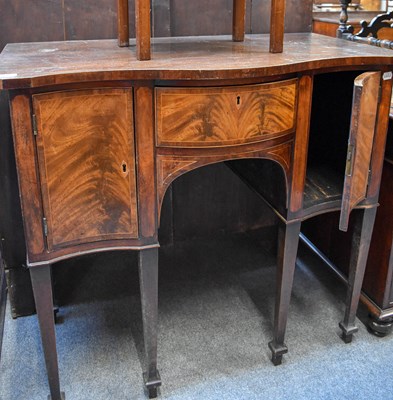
x: 359, y: 251
x: 288, y: 241
x: 148, y: 276
x: 42, y: 288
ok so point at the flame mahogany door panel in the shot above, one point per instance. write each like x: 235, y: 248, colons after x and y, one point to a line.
x: 360, y: 142
x: 86, y: 165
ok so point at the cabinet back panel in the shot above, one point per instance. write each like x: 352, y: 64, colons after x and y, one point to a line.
x: 330, y: 119
x: 86, y: 157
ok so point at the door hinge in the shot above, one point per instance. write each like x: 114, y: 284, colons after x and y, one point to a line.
x: 35, y: 131
x: 369, y: 177
x: 349, y: 160
x: 379, y: 94
x: 45, y: 225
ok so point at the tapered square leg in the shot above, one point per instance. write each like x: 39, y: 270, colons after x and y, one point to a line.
x: 361, y: 239
x: 42, y: 289
x: 288, y: 241
x: 148, y: 277
x: 61, y: 394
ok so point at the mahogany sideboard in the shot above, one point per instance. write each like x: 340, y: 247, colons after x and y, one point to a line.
x: 100, y: 136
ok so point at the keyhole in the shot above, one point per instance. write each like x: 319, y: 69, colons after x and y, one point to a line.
x: 124, y: 166
x: 238, y: 100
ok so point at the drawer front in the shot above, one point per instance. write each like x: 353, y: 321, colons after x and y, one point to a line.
x: 222, y: 116
x: 85, y: 146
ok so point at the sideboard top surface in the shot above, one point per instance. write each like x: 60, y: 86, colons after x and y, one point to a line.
x: 25, y: 65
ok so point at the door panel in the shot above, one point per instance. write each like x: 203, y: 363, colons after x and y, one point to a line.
x: 85, y: 144
x: 360, y: 143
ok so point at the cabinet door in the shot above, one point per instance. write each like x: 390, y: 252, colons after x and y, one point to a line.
x: 86, y: 157
x: 360, y: 143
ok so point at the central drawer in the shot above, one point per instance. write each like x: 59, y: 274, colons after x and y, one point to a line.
x: 222, y: 116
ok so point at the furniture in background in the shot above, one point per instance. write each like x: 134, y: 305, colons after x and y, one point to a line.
x: 376, y: 33
x: 378, y: 282
x: 327, y: 23
x: 333, y: 15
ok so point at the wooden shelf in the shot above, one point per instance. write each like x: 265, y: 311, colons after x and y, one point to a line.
x: 322, y: 185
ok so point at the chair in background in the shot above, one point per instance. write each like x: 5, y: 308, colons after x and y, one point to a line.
x: 378, y: 32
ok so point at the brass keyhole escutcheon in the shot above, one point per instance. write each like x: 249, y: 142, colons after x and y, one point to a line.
x: 124, y: 168
x: 238, y: 101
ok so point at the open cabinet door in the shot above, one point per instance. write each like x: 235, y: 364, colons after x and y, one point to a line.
x: 360, y: 143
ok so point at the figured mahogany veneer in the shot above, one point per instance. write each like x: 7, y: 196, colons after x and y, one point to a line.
x: 99, y: 137
x: 86, y: 158
x: 364, y: 113
x: 193, y: 117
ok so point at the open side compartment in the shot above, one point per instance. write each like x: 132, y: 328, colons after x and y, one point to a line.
x: 341, y: 141
x: 342, y: 127
x: 328, y: 138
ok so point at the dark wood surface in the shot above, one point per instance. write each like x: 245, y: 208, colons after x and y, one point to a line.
x: 277, y: 18
x: 239, y: 20
x: 378, y: 278
x: 179, y: 59
x: 123, y: 26
x: 147, y: 190
x: 28, y: 174
x: 142, y: 29
x: 301, y: 144
x: 43, y: 296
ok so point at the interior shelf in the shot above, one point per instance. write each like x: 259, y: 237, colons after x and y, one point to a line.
x: 323, y: 185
